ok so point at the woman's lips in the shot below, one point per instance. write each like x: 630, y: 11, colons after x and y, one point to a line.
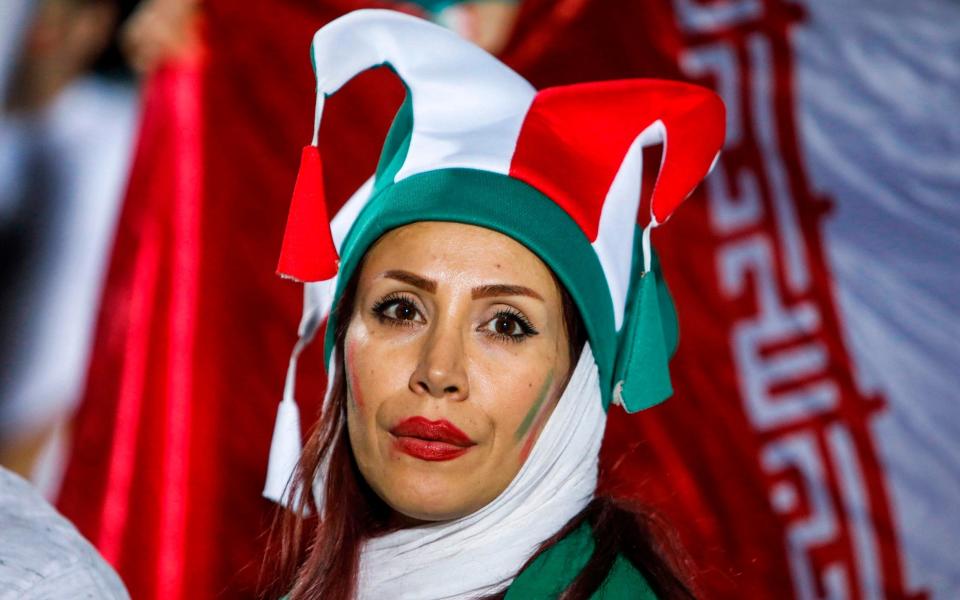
x: 431, y: 440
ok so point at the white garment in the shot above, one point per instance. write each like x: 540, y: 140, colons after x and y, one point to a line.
x: 555, y: 483
x: 42, y: 555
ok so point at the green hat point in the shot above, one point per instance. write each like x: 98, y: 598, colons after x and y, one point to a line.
x: 647, y: 343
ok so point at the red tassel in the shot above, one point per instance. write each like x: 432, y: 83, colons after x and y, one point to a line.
x: 308, y: 252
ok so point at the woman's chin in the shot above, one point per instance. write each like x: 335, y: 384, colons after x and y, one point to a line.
x: 425, y: 498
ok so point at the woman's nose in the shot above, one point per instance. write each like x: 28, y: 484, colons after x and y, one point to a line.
x: 441, y: 371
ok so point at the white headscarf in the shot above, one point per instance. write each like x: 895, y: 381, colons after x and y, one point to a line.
x: 480, y: 553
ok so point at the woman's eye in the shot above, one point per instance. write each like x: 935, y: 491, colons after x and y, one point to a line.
x: 397, y: 309
x: 510, y: 326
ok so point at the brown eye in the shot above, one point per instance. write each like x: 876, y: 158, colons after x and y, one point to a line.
x: 398, y: 310
x: 508, y: 325
x: 402, y: 311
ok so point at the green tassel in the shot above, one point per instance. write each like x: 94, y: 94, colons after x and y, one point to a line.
x: 643, y: 374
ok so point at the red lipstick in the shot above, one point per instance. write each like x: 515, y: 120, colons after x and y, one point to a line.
x: 431, y: 440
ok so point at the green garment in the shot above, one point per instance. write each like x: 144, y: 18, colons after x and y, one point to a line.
x: 555, y: 570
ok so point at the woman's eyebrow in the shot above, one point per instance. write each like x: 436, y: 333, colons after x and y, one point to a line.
x: 413, y: 279
x: 486, y: 291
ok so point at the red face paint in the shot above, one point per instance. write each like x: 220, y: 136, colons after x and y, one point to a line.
x: 353, y: 380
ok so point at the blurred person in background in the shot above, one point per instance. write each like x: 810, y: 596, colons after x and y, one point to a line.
x: 69, y: 108
x: 66, y: 130
x: 486, y: 23
x: 159, y: 31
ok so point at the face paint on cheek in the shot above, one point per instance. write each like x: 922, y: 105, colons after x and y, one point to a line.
x: 353, y: 380
x: 534, y: 419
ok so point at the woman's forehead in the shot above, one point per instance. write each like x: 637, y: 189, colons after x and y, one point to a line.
x: 448, y: 252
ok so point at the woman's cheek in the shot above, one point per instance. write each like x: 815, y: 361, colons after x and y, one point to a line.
x: 534, y: 420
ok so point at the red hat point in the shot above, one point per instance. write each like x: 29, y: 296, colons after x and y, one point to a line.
x: 308, y: 252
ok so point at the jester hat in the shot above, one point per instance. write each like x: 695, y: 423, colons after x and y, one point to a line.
x: 558, y: 170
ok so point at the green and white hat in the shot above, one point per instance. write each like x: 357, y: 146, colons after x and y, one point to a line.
x: 558, y: 170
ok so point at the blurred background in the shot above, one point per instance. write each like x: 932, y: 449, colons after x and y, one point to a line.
x: 812, y: 448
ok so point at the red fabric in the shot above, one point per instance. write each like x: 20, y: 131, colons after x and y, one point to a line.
x: 308, y: 252
x: 171, y: 440
x: 137, y: 415
x: 574, y: 139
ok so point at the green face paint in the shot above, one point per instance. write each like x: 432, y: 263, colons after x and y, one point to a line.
x: 531, y: 416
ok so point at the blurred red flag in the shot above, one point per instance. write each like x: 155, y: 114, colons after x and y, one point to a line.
x: 800, y: 449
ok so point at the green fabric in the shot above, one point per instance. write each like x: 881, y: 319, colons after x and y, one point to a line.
x: 554, y: 571
x: 647, y: 342
x: 397, y: 143
x: 506, y: 205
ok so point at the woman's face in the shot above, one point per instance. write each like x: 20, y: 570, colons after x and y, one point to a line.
x: 455, y: 356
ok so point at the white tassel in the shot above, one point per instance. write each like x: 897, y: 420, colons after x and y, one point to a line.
x: 285, y: 450
x: 286, y: 445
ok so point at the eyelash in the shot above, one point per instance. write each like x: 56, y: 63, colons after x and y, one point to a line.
x: 394, y: 299
x: 526, y: 327
x: 381, y: 307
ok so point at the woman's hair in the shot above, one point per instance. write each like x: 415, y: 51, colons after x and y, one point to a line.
x: 319, y: 558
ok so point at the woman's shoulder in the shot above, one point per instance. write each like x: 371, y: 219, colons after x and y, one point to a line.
x: 555, y: 569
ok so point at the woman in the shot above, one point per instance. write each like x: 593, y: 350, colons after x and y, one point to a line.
x: 488, y: 311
